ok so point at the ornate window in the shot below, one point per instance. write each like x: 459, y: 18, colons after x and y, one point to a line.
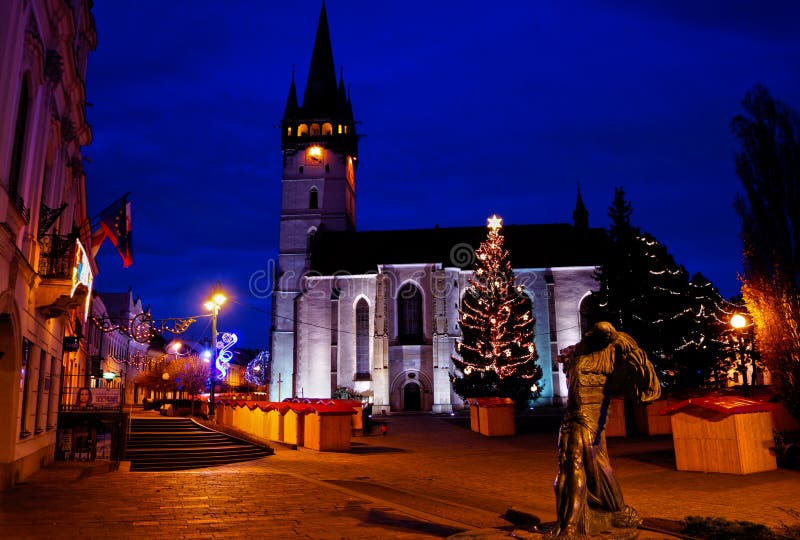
x: 362, y: 340
x: 314, y: 130
x: 302, y: 130
x: 327, y: 128
x: 409, y: 314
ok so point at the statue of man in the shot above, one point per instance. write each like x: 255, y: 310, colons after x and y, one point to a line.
x: 605, y: 363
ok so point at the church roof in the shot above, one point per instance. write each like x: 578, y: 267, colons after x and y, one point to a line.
x: 530, y: 246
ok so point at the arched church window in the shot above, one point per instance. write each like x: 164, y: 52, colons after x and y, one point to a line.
x: 409, y: 314
x: 302, y: 130
x: 314, y: 130
x: 362, y: 340
x: 313, y: 199
x: 327, y: 128
x: 19, y: 138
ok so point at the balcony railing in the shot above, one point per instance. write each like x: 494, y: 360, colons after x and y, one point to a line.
x: 56, y: 256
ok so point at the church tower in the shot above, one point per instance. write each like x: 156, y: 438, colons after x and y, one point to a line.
x: 320, y: 155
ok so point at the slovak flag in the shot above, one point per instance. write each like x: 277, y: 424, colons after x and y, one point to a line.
x: 115, y: 224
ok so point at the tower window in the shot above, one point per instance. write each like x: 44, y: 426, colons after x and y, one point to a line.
x: 302, y: 130
x: 409, y: 314
x: 289, y: 131
x: 301, y: 169
x: 345, y: 129
x: 327, y: 129
x: 327, y: 168
x: 313, y: 199
x: 315, y: 130
x: 340, y: 129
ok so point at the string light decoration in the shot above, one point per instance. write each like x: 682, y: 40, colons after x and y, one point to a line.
x: 142, y: 328
x: 257, y: 371
x: 496, y: 354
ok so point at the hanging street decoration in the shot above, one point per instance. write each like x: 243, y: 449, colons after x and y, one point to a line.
x: 143, y: 327
x: 225, y: 354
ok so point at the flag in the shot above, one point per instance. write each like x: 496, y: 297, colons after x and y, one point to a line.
x: 115, y: 224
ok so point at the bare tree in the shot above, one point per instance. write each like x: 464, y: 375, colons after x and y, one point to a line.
x: 768, y: 164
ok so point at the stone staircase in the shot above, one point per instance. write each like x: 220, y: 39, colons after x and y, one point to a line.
x: 172, y: 444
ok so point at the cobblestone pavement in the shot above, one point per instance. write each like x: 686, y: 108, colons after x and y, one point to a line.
x: 429, y: 477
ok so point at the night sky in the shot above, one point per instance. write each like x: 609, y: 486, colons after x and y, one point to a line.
x: 468, y: 108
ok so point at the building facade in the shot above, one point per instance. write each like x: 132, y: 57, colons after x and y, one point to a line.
x: 377, y: 311
x: 45, y: 273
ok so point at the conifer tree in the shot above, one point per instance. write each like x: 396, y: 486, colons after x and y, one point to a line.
x: 496, y: 355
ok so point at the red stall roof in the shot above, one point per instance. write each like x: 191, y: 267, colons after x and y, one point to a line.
x: 722, y: 404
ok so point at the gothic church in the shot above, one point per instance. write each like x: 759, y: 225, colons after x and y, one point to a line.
x: 377, y: 311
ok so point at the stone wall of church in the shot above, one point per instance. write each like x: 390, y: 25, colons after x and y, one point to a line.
x: 572, y: 286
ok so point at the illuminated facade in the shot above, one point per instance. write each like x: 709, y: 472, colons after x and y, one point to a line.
x: 45, y: 274
x: 377, y: 311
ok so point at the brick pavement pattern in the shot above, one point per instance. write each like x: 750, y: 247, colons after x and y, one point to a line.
x: 429, y: 477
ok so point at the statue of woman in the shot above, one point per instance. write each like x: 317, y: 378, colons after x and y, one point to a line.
x: 605, y: 363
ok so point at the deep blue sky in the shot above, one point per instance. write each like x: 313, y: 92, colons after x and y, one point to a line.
x: 468, y: 107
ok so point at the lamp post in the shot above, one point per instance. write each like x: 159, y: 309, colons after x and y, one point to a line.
x: 213, y: 305
x: 739, y: 323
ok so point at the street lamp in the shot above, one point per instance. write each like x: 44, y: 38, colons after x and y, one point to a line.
x: 739, y: 323
x: 213, y: 305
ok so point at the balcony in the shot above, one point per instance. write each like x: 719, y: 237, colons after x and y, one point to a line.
x: 60, y: 290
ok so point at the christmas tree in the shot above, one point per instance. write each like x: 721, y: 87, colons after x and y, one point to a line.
x: 496, y: 355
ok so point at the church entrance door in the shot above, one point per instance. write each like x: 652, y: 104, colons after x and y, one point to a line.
x: 411, y: 397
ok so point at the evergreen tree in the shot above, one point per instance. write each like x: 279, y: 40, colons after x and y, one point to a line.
x: 496, y: 355
x: 645, y: 293
x: 705, y: 356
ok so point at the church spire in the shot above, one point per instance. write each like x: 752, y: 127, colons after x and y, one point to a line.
x: 319, y: 99
x: 580, y: 215
x: 291, y: 101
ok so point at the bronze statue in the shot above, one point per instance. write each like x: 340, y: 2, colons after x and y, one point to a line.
x: 605, y: 363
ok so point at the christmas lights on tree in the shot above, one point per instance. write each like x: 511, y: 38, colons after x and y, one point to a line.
x: 496, y: 355
x: 257, y: 372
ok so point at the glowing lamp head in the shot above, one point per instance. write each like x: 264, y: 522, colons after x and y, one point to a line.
x: 175, y: 346
x: 206, y: 355
x: 738, y: 321
x: 109, y: 375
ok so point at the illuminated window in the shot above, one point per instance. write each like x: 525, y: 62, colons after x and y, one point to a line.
x: 315, y: 130
x: 289, y: 131
x: 409, y: 314
x: 362, y: 340
x: 302, y: 130
x: 313, y: 199
x: 345, y: 129
x: 340, y: 129
x: 327, y: 129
